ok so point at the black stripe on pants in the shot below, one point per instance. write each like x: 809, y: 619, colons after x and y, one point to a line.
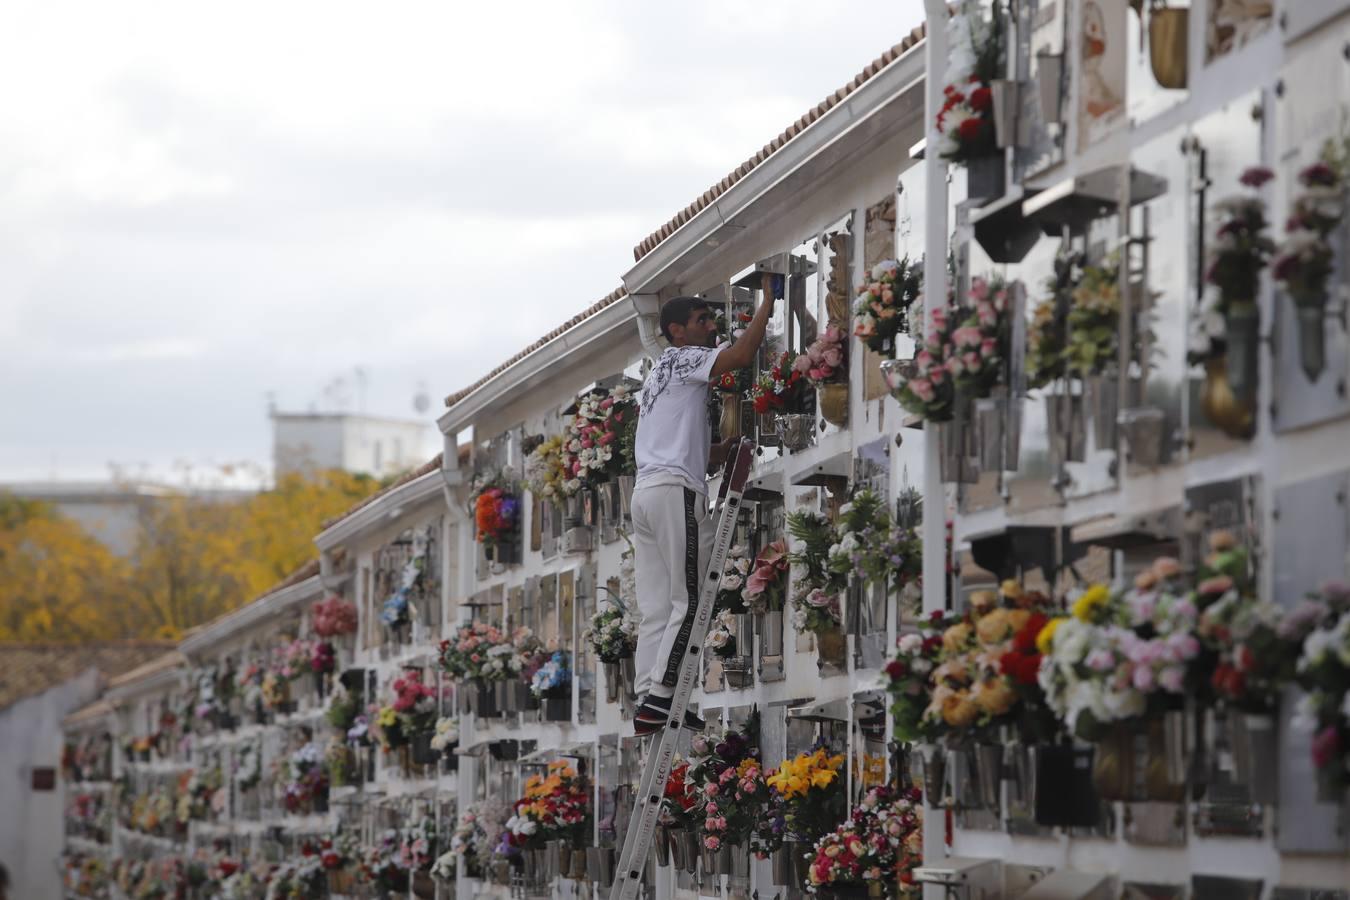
x: 691, y: 578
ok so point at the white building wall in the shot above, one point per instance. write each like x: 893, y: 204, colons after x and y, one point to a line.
x: 352, y: 443
x: 31, y: 821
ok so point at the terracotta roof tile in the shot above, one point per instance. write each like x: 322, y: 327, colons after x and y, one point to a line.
x: 705, y: 199
x: 431, y: 465
x: 30, y: 669
x: 609, y: 299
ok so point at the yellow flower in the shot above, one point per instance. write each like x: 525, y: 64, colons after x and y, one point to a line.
x: 1086, y: 607
x: 1011, y: 589
x: 821, y: 778
x: 387, y: 717
x: 1046, y: 638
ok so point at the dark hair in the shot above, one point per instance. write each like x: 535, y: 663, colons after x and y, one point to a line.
x: 677, y: 310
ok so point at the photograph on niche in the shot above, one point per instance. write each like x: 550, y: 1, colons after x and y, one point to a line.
x: 1233, y: 24
x: 1101, y: 91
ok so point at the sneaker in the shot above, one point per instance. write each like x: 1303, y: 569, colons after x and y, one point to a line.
x: 653, y: 713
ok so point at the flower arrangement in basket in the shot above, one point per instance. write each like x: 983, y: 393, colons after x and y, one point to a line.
x: 881, y: 843
x: 729, y: 787
x: 613, y: 632
x: 962, y: 356
x: 602, y: 426
x: 446, y: 734
x: 908, y: 678
x: 781, y: 389
x: 545, y: 475
x: 816, y: 603
x: 1082, y: 341
x: 882, y: 309
x: 494, y: 503
x: 417, y: 845
x: 966, y: 120
x: 871, y: 548
x: 765, y: 588
x: 381, y: 863
x: 810, y: 792
x: 333, y: 617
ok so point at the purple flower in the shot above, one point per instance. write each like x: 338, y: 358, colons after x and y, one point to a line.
x: 1256, y: 176
x: 1319, y: 173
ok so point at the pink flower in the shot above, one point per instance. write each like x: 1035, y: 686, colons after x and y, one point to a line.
x: 1256, y: 176
x: 834, y: 357
x: 1143, y: 678
x: 987, y: 315
x: 1172, y: 678
x: 988, y: 347
x: 967, y: 336
x: 710, y: 789
x: 979, y: 289
x: 937, y: 376
x: 921, y: 389
x: 711, y: 808
x: 1326, y: 746
x: 972, y: 361
x: 1217, y: 585
x: 712, y: 842
x: 955, y: 365
x: 802, y: 364
x: 1100, y: 660
x: 888, y: 296
x: 924, y: 360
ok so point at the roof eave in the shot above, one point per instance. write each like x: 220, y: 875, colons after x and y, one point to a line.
x: 905, y: 72
x: 252, y: 615
x: 376, y: 513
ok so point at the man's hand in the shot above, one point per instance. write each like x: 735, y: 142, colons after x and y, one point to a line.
x: 717, y: 452
x: 742, y: 353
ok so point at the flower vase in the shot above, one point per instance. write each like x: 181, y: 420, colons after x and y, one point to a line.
x: 782, y: 866
x: 1113, y: 764
x: 485, y: 701
x: 689, y: 847
x: 626, y: 485
x: 661, y: 842
x: 1103, y: 401
x: 729, y: 424
x: 1168, y: 46
x: 987, y: 761
x: 832, y: 649
x: 558, y: 708
x: 985, y: 178
x: 577, y: 871
x: 612, y: 683
x: 1049, y: 78
x: 1254, y: 742
x: 422, y: 752
x: 1068, y: 431
x: 1006, y: 96
x: 600, y: 863
x: 725, y: 855
x: 933, y: 760
x: 801, y: 854
x: 769, y: 627
x: 559, y: 860
x: 795, y: 430
x: 1221, y: 406
x: 832, y: 399
x: 1329, y: 787
x: 1312, y: 338
x: 1242, y: 334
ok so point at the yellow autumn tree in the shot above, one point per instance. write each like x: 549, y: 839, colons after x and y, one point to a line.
x: 57, y: 583
x: 198, y: 555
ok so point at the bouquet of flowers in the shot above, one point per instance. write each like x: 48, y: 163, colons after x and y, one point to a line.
x: 729, y: 788
x: 613, y: 632
x: 966, y: 120
x: 411, y: 712
x: 870, y: 548
x: 826, y: 359
x: 1323, y: 669
x: 721, y: 639
x: 249, y: 684
x: 779, y: 389
x: 730, y: 590
x: 381, y: 865
x: 308, y: 777
x: 322, y: 658
x: 1241, y: 248
x: 333, y: 617
x: 554, y: 677
x: 812, y: 793
x: 544, y: 472
x: 765, y: 588
x: 248, y: 767
x: 882, y: 309
x: 881, y: 840
x: 343, y: 709
x: 817, y: 608
x: 495, y: 508
x: 907, y: 678
x: 474, y: 651
x: 602, y: 424
x: 446, y: 735
x: 417, y: 845
x: 680, y: 809
x: 1094, y: 320
x: 1306, y: 258
x: 555, y: 807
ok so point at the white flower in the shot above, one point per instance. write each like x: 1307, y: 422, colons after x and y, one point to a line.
x: 910, y: 643
x: 731, y: 582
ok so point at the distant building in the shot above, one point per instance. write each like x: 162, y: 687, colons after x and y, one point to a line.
x: 354, y: 443
x: 108, y: 510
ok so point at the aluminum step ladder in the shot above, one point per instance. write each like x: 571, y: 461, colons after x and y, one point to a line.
x: 647, y: 809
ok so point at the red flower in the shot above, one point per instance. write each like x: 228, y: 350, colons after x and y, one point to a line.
x: 970, y: 129
x: 981, y: 99
x: 1326, y: 746
x: 896, y: 669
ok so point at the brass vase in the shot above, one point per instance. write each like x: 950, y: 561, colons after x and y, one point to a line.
x: 729, y: 425
x: 832, y: 646
x: 1168, y: 46
x: 1224, y: 410
x: 833, y: 401
x: 1113, y: 764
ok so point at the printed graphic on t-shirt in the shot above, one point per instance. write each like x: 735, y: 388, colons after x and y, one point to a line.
x: 675, y: 364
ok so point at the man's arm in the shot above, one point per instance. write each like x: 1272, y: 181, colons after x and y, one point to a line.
x: 742, y: 353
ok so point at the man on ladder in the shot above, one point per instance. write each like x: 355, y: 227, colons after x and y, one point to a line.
x: 673, y: 531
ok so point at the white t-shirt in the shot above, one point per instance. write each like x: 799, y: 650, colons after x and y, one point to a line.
x: 673, y: 429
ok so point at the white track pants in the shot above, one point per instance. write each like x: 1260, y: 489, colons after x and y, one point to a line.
x: 673, y: 538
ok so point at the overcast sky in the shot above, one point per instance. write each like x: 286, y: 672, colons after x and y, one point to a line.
x: 202, y: 204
